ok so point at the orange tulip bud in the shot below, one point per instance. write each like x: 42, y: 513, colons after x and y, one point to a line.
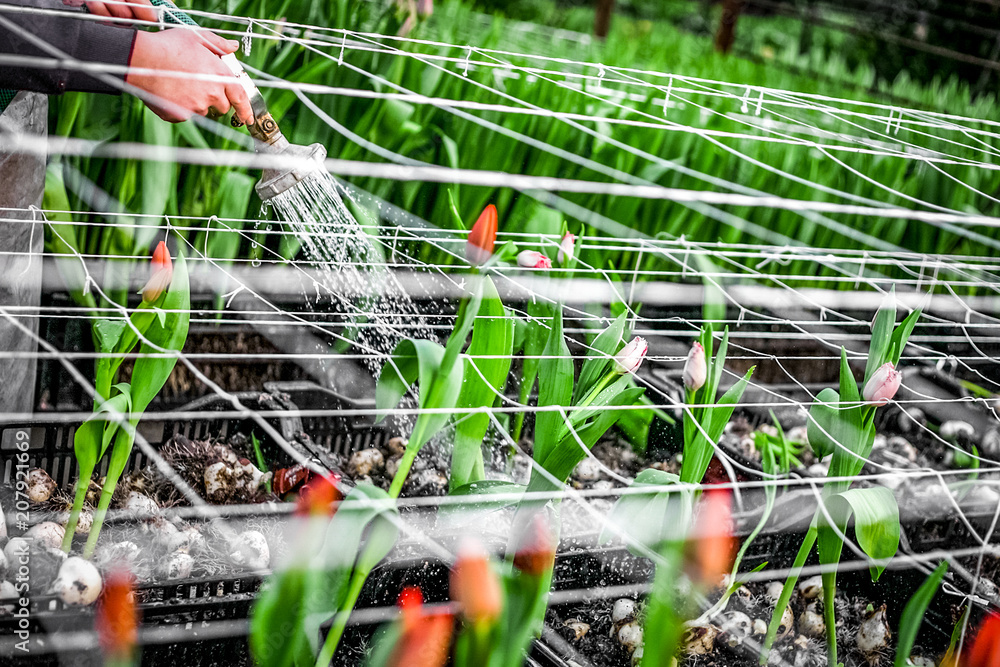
x: 985, y: 649
x: 425, y: 637
x: 479, y: 246
x: 317, y: 496
x: 475, y: 585
x: 711, y: 546
x: 537, y: 553
x: 117, y: 619
x: 163, y: 271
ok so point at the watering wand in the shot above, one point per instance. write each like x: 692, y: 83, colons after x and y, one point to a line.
x: 268, y: 138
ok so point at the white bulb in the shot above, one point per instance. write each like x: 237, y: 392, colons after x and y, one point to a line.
x: 78, y: 582
x: 623, y: 611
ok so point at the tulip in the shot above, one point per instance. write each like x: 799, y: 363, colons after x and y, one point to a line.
x: 425, y: 7
x: 116, y: 619
x: 425, y: 637
x: 985, y: 648
x: 711, y: 547
x: 532, y: 259
x: 479, y: 245
x: 163, y: 271
x: 566, y: 248
x: 883, y: 384
x: 475, y: 585
x: 695, y: 368
x: 317, y: 496
x: 537, y: 553
x: 630, y: 357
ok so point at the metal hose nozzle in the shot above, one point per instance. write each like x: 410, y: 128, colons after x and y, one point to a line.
x: 269, y: 139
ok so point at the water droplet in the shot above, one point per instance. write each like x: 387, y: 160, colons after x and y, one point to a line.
x: 255, y: 263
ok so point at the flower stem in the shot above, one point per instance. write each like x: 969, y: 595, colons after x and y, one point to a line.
x: 82, y: 484
x: 786, y: 590
x: 598, y: 388
x: 340, y: 620
x: 405, y: 463
x: 830, y: 616
x: 413, y: 446
x: 102, y: 511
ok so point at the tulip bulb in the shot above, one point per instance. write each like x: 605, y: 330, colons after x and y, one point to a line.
x: 695, y: 368
x: 883, y: 385
x: 78, y: 583
x: 630, y: 357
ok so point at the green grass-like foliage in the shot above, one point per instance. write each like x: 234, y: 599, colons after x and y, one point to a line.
x: 669, y: 155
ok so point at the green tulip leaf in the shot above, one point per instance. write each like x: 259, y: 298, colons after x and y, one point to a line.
x: 913, y: 615
x: 876, y: 525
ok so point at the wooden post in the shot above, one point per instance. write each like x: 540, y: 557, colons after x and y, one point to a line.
x: 602, y: 23
x: 727, y: 26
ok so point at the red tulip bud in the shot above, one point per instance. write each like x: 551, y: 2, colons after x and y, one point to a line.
x: 163, y: 271
x: 711, y: 546
x: 317, y: 496
x: 537, y: 553
x: 695, y: 368
x: 479, y: 246
x: 117, y: 619
x: 425, y: 637
x: 475, y: 585
x: 985, y: 648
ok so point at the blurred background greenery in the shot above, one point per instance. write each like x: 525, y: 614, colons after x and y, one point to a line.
x: 791, y: 46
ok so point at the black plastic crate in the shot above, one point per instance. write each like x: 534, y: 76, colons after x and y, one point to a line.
x: 194, y: 602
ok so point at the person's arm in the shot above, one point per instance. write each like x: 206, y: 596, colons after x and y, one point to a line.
x: 168, y: 65
x: 84, y: 40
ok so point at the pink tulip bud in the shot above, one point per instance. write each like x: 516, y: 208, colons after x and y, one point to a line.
x: 883, y: 384
x: 566, y: 248
x: 425, y: 7
x: 532, y: 259
x: 630, y: 357
x: 163, y: 272
x: 695, y: 368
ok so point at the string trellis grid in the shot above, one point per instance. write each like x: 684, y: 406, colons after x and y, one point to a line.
x: 774, y: 311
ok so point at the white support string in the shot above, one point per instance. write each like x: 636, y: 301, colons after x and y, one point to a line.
x: 962, y: 311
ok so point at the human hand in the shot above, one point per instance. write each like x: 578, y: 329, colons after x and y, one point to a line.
x: 141, y: 10
x: 169, y: 55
